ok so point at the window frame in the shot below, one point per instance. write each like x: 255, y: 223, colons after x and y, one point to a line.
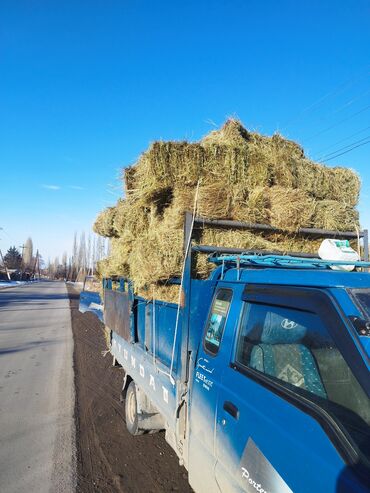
x: 220, y: 288
x: 358, y: 304
x: 322, y: 304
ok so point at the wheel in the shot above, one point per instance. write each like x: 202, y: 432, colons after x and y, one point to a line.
x: 132, y: 418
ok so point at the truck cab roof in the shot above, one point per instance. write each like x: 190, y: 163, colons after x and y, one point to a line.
x: 298, y: 277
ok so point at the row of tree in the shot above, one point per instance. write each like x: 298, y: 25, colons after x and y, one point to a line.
x: 73, y: 266
x: 82, y: 261
x: 20, y: 265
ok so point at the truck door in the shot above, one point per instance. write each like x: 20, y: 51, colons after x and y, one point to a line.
x: 291, y: 414
x: 205, y: 389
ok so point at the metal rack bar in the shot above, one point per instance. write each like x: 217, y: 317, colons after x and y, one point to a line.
x: 228, y: 224
x: 209, y: 249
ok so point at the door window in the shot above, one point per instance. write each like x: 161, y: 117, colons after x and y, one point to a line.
x: 217, y: 320
x: 294, y: 348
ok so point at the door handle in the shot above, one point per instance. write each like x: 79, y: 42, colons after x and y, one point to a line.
x: 230, y: 408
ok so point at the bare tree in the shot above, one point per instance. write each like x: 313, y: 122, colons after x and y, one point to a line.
x: 88, y: 254
x: 65, y: 265
x: 82, y: 261
x: 74, y: 269
x: 28, y: 254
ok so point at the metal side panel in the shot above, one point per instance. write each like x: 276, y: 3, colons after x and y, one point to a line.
x: 117, y: 310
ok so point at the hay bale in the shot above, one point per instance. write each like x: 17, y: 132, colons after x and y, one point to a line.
x: 214, y: 200
x: 323, y: 183
x: 282, y: 156
x: 104, y: 223
x: 118, y: 261
x: 290, y: 209
x: 164, y: 292
x: 167, y: 163
x: 243, y: 176
x: 156, y: 256
x: 345, y: 186
x: 255, y: 208
x: 226, y: 238
x: 336, y: 216
x: 313, y: 178
x: 131, y: 218
x: 232, y: 133
x: 120, y: 217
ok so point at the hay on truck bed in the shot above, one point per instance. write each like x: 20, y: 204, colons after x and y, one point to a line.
x: 243, y: 176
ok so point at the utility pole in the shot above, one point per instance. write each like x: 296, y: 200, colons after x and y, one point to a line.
x: 38, y: 264
x: 22, y: 247
x: 34, y: 267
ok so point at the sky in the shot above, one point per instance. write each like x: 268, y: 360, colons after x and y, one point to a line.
x: 85, y: 86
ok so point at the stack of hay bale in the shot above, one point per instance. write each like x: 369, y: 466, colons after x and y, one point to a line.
x: 242, y: 176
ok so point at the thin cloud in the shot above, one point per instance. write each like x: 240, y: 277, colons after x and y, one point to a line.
x: 51, y: 187
x: 76, y: 187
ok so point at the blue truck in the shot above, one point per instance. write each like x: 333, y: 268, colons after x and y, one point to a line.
x: 259, y: 376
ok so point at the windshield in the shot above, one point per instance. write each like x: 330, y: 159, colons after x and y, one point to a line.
x: 362, y: 299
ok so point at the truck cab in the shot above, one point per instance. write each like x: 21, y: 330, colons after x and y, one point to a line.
x: 280, y: 388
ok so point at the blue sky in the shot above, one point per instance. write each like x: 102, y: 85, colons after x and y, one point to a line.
x: 86, y: 85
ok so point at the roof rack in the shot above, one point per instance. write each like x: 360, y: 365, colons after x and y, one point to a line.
x: 202, y: 222
x: 281, y: 261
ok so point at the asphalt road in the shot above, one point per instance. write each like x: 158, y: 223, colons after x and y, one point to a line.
x: 36, y: 390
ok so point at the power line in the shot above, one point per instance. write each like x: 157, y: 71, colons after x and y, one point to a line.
x: 349, y: 150
x: 342, y: 140
x: 339, y: 123
x: 323, y: 158
x: 337, y: 90
x: 350, y: 102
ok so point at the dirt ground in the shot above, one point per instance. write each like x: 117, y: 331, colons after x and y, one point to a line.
x: 109, y: 459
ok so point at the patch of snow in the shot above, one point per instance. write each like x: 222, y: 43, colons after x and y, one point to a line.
x: 9, y: 284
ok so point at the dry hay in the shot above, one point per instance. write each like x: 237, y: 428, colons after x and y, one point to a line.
x: 129, y: 179
x: 156, y: 256
x: 232, y: 133
x: 117, y: 262
x: 345, y: 186
x: 242, y: 176
x: 242, y: 161
x: 103, y: 224
x: 325, y: 183
x: 131, y: 219
x: 163, y: 292
x: 336, y: 216
x: 255, y: 208
x: 251, y: 241
x: 290, y: 209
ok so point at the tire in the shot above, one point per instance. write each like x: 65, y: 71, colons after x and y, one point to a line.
x: 132, y: 417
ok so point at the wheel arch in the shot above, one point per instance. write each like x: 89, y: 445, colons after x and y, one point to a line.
x: 127, y: 379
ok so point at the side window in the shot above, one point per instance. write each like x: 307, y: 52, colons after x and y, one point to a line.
x: 217, y: 320
x: 295, y: 348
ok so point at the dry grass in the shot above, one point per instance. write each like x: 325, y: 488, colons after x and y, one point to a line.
x: 163, y: 292
x: 129, y: 179
x: 336, y: 216
x: 103, y: 224
x: 290, y: 209
x: 243, y: 176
